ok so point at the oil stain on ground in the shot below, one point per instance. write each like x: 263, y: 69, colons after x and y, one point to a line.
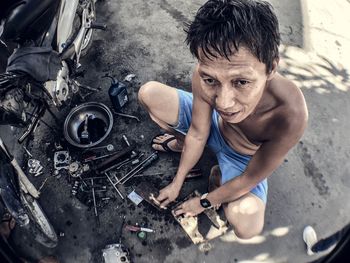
x: 311, y: 170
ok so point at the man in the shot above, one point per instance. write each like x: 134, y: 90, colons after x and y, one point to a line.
x: 241, y: 107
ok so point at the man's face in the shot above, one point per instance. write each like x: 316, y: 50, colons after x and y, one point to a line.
x: 235, y: 86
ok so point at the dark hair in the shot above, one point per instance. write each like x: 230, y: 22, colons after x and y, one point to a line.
x: 220, y: 27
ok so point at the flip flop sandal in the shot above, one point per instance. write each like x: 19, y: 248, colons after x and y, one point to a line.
x: 165, y: 143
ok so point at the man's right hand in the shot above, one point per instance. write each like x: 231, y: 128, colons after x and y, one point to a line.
x: 168, y: 194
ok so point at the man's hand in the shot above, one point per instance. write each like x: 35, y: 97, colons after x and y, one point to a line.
x: 168, y: 194
x: 191, y: 207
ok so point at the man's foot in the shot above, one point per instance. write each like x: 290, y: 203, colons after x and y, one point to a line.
x: 166, y: 143
x: 7, y: 224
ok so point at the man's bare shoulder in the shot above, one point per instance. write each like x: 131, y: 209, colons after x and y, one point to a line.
x: 291, y: 116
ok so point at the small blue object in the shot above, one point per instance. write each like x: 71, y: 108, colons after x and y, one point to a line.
x: 118, y: 94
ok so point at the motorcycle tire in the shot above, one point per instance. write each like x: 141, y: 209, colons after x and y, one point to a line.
x: 39, y: 226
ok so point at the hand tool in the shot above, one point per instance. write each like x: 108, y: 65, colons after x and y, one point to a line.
x: 128, y: 116
x: 145, y: 163
x: 113, y: 158
x: 115, y: 184
x: 127, y: 142
x: 138, y: 228
x: 94, y: 200
x: 84, y: 137
x: 120, y: 164
x: 108, y: 147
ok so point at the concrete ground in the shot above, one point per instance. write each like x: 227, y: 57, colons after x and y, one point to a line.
x: 146, y: 38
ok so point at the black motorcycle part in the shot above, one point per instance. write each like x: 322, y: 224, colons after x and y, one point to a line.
x: 9, y: 193
x: 28, y: 19
x: 24, y: 208
x: 41, y: 63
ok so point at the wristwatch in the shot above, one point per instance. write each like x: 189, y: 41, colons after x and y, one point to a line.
x: 205, y: 203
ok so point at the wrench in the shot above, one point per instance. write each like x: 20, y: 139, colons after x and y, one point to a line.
x: 109, y: 147
x: 128, y: 116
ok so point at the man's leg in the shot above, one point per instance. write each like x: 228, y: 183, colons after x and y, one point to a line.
x: 162, y: 103
x: 246, y: 215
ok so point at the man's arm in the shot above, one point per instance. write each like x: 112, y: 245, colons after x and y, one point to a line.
x: 269, y: 156
x: 194, y: 143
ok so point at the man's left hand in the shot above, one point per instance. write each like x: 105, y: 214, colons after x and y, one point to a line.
x: 191, y: 207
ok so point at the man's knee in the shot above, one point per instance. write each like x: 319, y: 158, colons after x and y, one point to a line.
x: 145, y: 92
x: 246, y: 216
x: 244, y: 231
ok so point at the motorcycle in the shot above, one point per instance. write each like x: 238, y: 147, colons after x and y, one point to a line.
x: 51, y: 36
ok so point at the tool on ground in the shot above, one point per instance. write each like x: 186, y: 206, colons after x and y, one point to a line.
x: 127, y: 142
x: 84, y: 137
x: 28, y: 152
x: 43, y: 184
x: 127, y: 116
x: 121, y: 163
x: 144, y: 164
x: 114, y: 184
x: 110, y: 161
x: 94, y: 200
x: 95, y: 158
x: 147, y: 175
x: 138, y: 228
x: 148, y: 192
x: 108, y: 147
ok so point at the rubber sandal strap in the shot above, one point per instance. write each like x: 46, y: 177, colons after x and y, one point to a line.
x: 165, y: 143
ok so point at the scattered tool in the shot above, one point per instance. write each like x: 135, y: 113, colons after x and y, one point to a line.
x: 128, y: 116
x: 144, y: 164
x: 94, y: 200
x: 84, y: 137
x: 121, y: 163
x: 110, y: 161
x: 28, y: 152
x: 43, y: 184
x: 114, y: 184
x: 108, y: 147
x: 146, y: 175
x: 95, y: 158
x: 127, y: 142
x: 148, y: 192
x: 138, y: 228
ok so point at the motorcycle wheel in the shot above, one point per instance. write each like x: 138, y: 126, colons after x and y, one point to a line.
x: 39, y: 226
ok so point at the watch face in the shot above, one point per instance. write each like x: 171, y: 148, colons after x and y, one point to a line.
x: 205, y: 203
